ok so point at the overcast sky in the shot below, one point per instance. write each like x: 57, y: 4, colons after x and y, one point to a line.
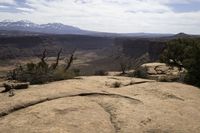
x: 155, y: 16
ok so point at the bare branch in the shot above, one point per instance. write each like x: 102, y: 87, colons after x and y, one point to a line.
x: 43, y: 56
x: 70, y: 60
x: 57, y: 60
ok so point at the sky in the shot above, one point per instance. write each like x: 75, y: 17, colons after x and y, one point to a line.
x: 121, y: 16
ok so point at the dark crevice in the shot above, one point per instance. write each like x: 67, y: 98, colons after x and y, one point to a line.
x: 112, y: 118
x: 141, y: 82
x: 32, y: 103
x: 110, y: 94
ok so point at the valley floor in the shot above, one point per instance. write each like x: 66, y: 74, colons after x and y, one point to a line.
x: 93, y: 105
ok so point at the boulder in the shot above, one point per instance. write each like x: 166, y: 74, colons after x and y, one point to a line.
x: 12, y: 85
x: 159, y: 71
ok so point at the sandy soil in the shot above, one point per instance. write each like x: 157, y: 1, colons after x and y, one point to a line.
x: 93, y: 105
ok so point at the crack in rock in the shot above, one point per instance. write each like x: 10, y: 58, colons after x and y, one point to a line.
x: 112, y: 117
x: 35, y: 102
x: 141, y: 82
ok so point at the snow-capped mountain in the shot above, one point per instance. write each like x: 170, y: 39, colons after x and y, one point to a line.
x: 58, y: 28
x: 50, y: 28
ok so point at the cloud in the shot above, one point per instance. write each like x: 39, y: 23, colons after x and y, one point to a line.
x: 25, y: 9
x: 3, y: 7
x: 7, y: 1
x: 111, y: 15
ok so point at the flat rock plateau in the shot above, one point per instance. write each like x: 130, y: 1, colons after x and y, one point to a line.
x: 93, y: 105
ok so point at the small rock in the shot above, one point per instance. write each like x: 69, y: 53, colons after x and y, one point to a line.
x: 9, y: 86
x: 11, y: 93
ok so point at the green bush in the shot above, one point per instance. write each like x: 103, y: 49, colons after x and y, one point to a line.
x: 61, y: 74
x: 40, y: 73
x: 184, y: 53
x: 140, y: 73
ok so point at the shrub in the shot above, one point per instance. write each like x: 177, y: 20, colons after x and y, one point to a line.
x: 61, y: 74
x: 42, y: 72
x: 184, y: 53
x: 141, y: 72
x: 76, y: 71
x: 101, y: 73
x: 116, y: 84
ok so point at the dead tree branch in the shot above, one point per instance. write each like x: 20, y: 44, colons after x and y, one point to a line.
x: 44, y: 54
x: 57, y: 60
x: 70, y: 60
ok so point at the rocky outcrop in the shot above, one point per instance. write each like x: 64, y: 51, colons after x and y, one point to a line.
x: 160, y: 72
x: 91, y: 105
x: 13, y: 85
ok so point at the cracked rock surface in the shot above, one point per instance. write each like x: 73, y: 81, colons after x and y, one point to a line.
x: 92, y: 105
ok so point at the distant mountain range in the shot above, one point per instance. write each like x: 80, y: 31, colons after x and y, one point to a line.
x: 50, y: 28
x: 58, y: 28
x: 27, y: 39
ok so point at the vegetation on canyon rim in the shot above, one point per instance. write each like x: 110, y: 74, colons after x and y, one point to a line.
x: 184, y: 53
x: 42, y: 72
x: 181, y: 53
